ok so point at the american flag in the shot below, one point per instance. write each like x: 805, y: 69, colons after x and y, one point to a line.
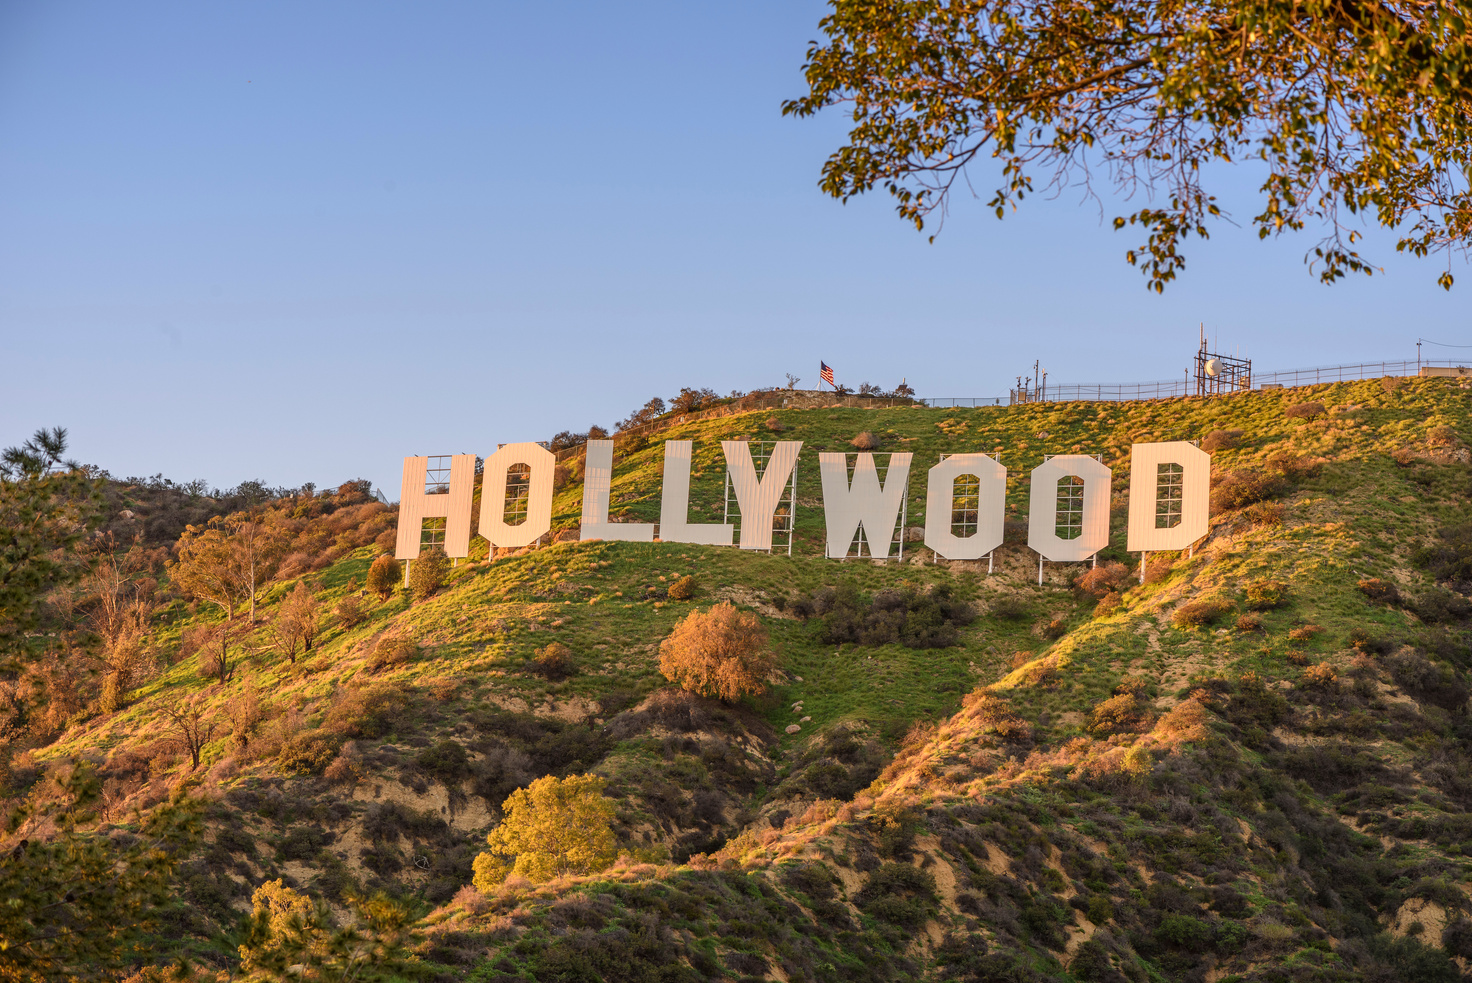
x: 826, y: 372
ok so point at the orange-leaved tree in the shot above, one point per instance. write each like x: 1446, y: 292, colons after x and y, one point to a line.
x: 719, y: 653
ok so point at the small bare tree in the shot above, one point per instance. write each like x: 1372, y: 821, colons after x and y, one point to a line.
x: 215, y: 653
x: 294, y: 628
x: 191, y: 725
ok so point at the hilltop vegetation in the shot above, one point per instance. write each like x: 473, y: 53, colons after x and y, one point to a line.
x: 1253, y: 765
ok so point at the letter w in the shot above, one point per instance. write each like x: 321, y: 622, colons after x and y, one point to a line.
x: 864, y: 503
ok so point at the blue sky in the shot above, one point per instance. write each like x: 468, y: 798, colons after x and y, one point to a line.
x: 297, y: 242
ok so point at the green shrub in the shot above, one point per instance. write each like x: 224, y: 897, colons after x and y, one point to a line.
x: 1250, y: 624
x: 446, y: 761
x: 1266, y: 594
x: 682, y: 589
x: 1124, y: 713
x: 427, y: 574
x: 1243, y: 487
x: 865, y: 441
x: 308, y: 753
x: 384, y: 576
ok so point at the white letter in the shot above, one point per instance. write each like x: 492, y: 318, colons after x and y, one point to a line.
x: 538, y: 520
x: 597, y: 481
x: 674, y: 506
x: 417, y: 503
x: 991, y: 504
x: 1079, y: 507
x: 1170, y: 496
x: 864, y: 503
x: 758, y: 499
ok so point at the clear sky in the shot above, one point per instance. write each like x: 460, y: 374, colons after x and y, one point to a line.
x: 297, y: 242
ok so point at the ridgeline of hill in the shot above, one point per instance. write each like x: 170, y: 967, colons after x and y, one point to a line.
x: 1254, y: 766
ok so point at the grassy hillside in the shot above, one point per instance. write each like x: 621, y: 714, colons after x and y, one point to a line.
x: 1191, y: 779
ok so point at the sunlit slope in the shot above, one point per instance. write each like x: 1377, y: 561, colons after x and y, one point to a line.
x: 1036, y: 819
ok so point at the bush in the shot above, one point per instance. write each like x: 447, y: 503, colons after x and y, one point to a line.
x: 1054, y: 629
x: 446, y: 761
x: 1320, y: 674
x: 1266, y: 514
x: 1379, y: 591
x: 554, y: 826
x: 775, y: 424
x: 1266, y: 594
x: 427, y: 574
x: 1249, y: 624
x: 1108, y: 604
x: 390, y: 651
x: 1293, y: 467
x: 349, y: 612
x: 384, y: 576
x: 553, y: 662
x: 308, y: 753
x: 1104, y: 579
x: 1198, y: 614
x: 719, y: 653
x: 682, y: 589
x: 367, y: 711
x: 865, y: 441
x: 904, y: 616
x: 1221, y: 440
x: 1124, y: 713
x: 1303, y: 633
x: 1305, y: 411
x: 1243, y: 487
x: 1449, y: 559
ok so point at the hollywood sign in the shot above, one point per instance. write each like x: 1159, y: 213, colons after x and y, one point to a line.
x: 1169, y: 500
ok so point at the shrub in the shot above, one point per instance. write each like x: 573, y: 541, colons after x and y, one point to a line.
x: 1293, y: 467
x: 1249, y: 624
x: 1438, y: 606
x: 1054, y: 629
x: 384, y: 576
x: 367, y: 711
x: 308, y: 753
x: 554, y: 826
x: 1221, y: 440
x: 553, y: 662
x: 349, y: 612
x: 1009, y: 607
x: 1304, y: 411
x: 775, y: 424
x: 682, y: 589
x: 719, y: 653
x: 1108, y: 604
x: 1120, y: 714
x: 427, y: 574
x: 1269, y: 515
x: 390, y: 651
x: 1449, y: 559
x: 446, y: 761
x: 1379, y: 591
x: 865, y: 441
x: 1319, y: 674
x: 1198, y: 614
x: 1243, y: 487
x: 1104, y: 579
x: 1266, y: 594
x: 1303, y: 633
x: 904, y: 616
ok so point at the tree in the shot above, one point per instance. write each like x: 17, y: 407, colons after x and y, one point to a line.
x: 554, y: 826
x: 384, y: 576
x: 1357, y: 110
x: 719, y: 653
x: 191, y: 724
x: 261, y: 547
x: 295, y: 626
x: 689, y: 400
x: 291, y: 937
x: 47, y: 505
x: 647, y: 414
x: 209, y: 567
x: 215, y: 644
x: 82, y: 906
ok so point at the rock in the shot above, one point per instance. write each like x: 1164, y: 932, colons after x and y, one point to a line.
x: 793, y: 728
x: 806, y: 719
x: 915, y: 534
x: 797, y: 679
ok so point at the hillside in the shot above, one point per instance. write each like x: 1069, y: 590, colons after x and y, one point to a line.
x: 1256, y: 765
